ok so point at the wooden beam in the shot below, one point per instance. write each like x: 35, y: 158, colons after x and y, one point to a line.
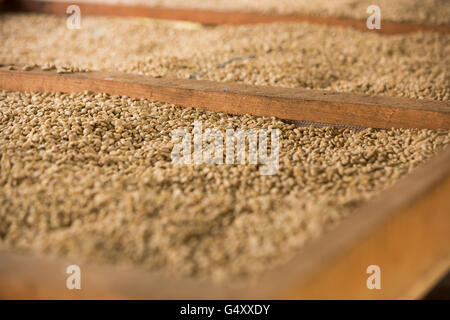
x: 285, y: 103
x: 405, y: 230
x: 206, y: 16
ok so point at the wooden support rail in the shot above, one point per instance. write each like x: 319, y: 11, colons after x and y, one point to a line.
x: 285, y: 103
x: 206, y: 16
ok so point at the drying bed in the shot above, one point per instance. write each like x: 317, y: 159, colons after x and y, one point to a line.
x: 397, y: 17
x: 87, y: 177
x: 92, y: 176
x: 285, y: 55
x: 428, y: 11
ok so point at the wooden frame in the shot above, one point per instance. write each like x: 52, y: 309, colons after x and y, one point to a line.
x: 213, y: 16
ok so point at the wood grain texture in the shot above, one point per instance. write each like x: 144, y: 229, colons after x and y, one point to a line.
x: 215, y: 17
x: 405, y: 231
x: 285, y: 103
x: 441, y: 291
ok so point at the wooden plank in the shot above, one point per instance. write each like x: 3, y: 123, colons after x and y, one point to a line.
x: 442, y: 289
x: 285, y: 103
x: 405, y: 230
x: 215, y: 17
x: 430, y: 281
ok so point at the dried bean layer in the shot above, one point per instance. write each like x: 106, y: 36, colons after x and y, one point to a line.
x: 91, y: 176
x: 288, y: 55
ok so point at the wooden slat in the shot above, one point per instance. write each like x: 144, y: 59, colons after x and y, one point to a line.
x: 285, y: 103
x: 405, y: 230
x: 215, y: 17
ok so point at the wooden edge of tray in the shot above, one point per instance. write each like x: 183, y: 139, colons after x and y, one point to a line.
x: 405, y: 231
x: 319, y: 106
x: 213, y: 17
